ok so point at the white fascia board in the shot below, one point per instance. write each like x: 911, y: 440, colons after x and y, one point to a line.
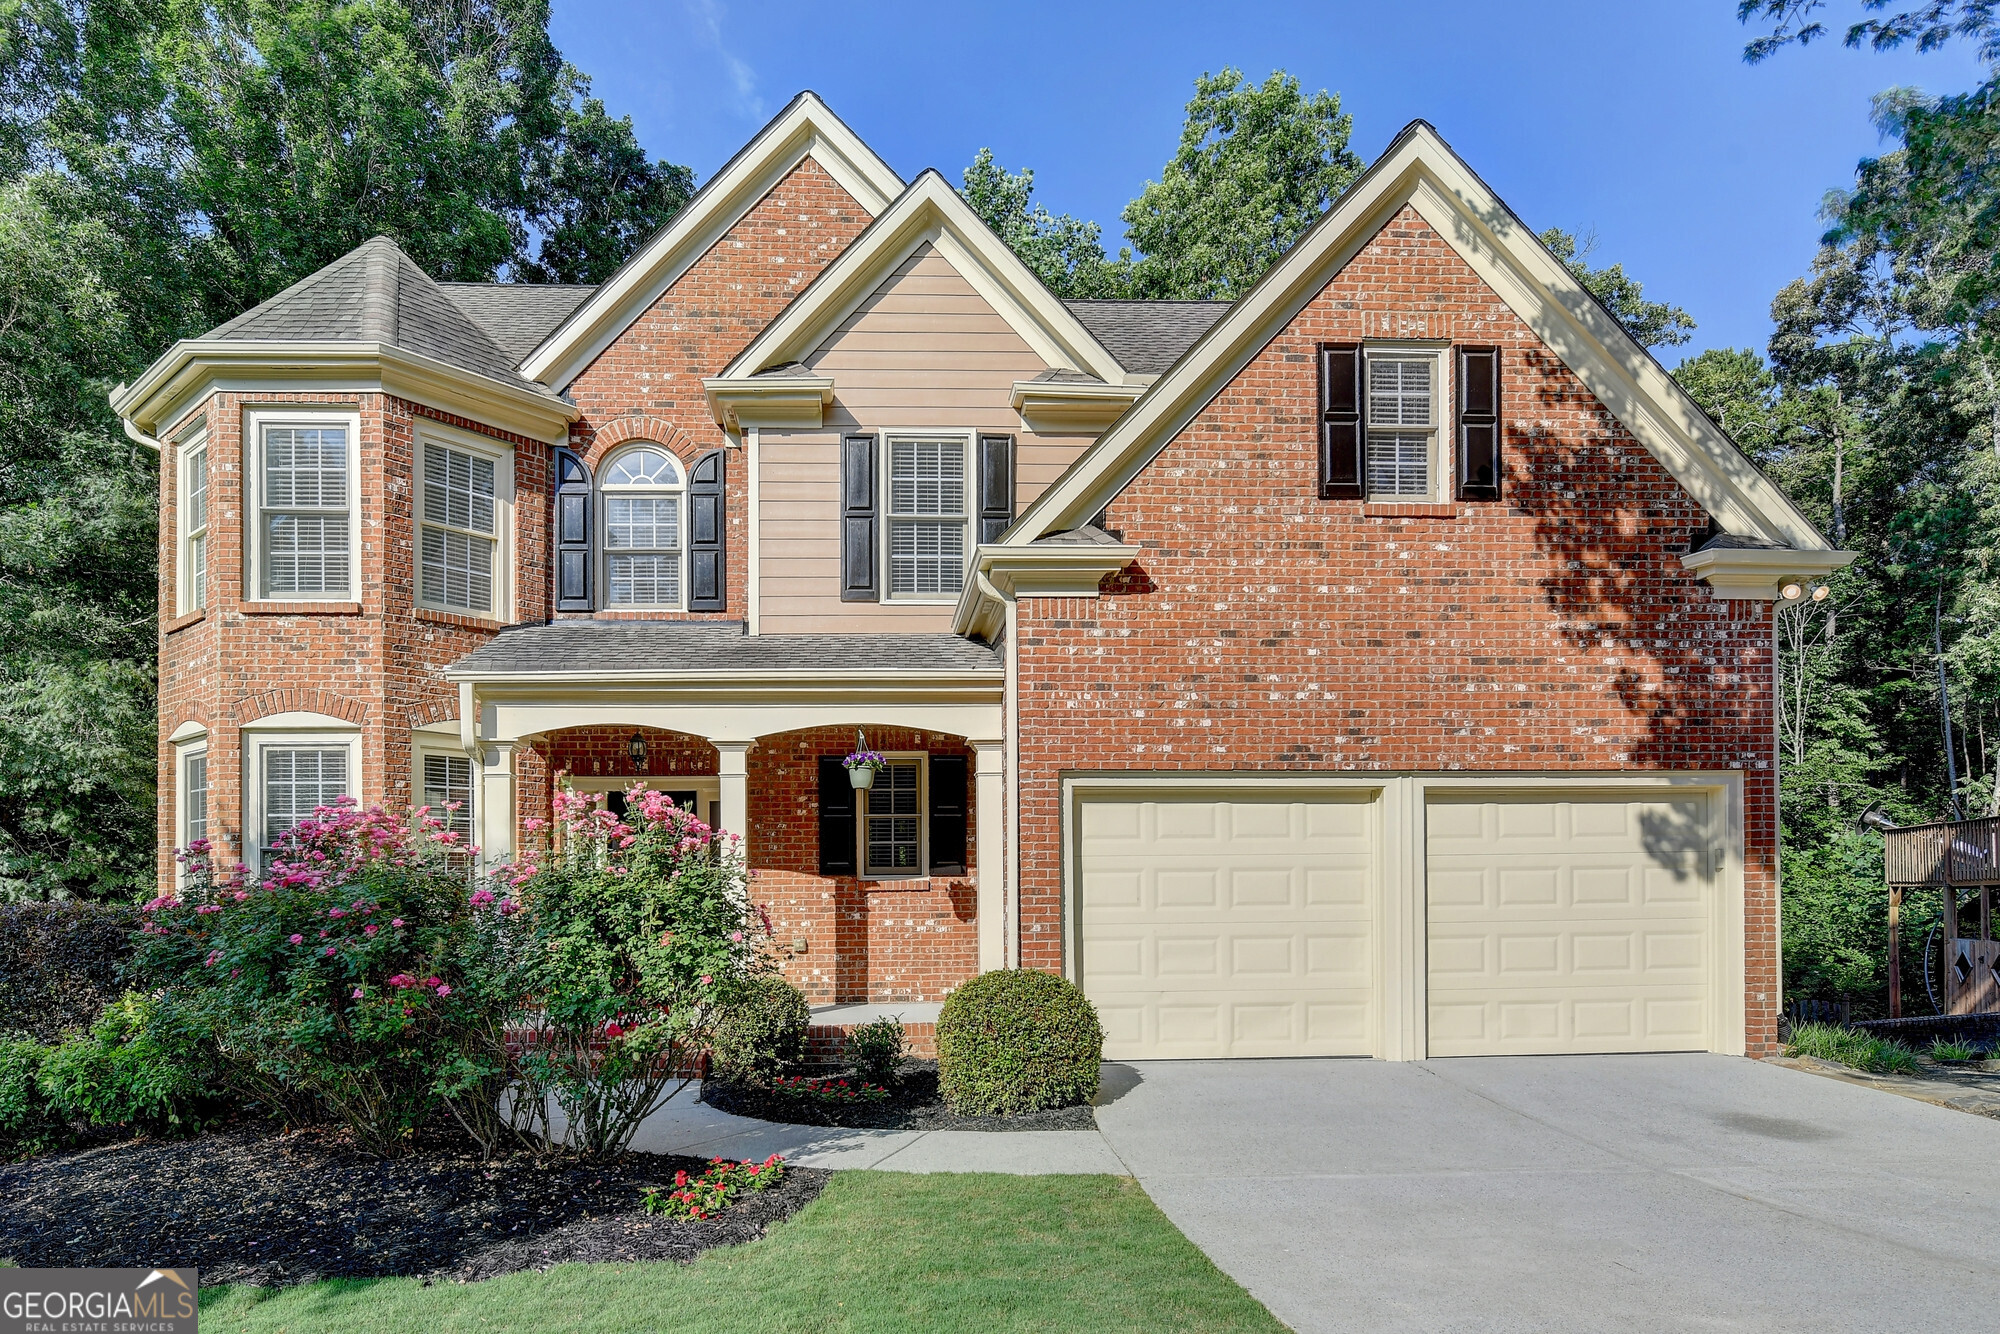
x: 1758, y: 573
x: 804, y: 129
x: 1003, y: 573
x: 929, y: 212
x: 1422, y: 170
x: 1062, y: 407
x: 192, y: 366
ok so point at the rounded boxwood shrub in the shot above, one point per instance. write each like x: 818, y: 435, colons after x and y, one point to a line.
x: 1017, y: 1041
x: 760, y: 1033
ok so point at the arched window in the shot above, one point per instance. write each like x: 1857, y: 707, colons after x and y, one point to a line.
x: 642, y: 528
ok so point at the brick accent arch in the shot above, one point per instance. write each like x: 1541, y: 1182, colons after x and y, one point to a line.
x: 300, y: 700
x: 642, y: 427
x: 443, y: 710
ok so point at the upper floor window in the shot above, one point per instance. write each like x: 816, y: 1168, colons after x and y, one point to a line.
x: 927, y: 517
x: 643, y: 493
x: 1402, y: 424
x: 194, y: 526
x: 307, y: 517
x: 463, y: 495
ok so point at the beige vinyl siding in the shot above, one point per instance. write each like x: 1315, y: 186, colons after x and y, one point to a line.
x: 924, y: 352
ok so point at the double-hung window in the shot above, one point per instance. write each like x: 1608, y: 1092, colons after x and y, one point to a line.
x: 298, y: 780
x: 643, y: 489
x: 1402, y: 424
x: 927, y: 518
x: 194, y: 796
x: 892, y: 821
x: 306, y: 516
x: 448, y: 791
x: 460, y: 540
x: 194, y: 527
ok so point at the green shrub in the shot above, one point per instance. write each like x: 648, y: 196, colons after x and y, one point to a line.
x: 876, y: 1050
x: 762, y: 1032
x: 1847, y: 1046
x: 127, y: 1072
x: 1011, y: 1042
x: 60, y: 965
x: 27, y: 1126
x: 1942, y: 1050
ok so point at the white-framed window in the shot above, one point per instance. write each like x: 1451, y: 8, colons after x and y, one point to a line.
x: 448, y: 782
x: 892, y: 820
x: 700, y: 793
x: 1404, y: 388
x: 464, y: 515
x: 642, y: 491
x: 193, y: 566
x: 194, y: 794
x: 292, y: 774
x: 928, y: 515
x: 304, y: 471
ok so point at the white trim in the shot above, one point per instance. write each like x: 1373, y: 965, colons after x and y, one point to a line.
x: 969, y: 502
x: 298, y: 722
x: 1760, y: 573
x: 922, y: 870
x: 259, y: 741
x: 195, y: 442
x: 501, y: 454
x: 930, y: 212
x: 1401, y: 929
x: 425, y: 742
x: 753, y: 575
x: 804, y: 129
x: 602, y: 496
x: 186, y: 751
x: 257, y: 419
x: 1440, y: 479
x: 188, y: 731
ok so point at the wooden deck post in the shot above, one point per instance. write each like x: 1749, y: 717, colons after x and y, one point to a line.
x: 1895, y: 952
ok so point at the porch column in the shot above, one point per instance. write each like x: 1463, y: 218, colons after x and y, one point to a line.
x: 733, y: 769
x: 494, y: 762
x: 989, y: 822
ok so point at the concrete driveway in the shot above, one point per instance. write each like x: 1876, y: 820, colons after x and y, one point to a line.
x: 1569, y: 1193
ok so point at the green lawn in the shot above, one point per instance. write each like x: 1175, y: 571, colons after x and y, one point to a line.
x: 876, y: 1251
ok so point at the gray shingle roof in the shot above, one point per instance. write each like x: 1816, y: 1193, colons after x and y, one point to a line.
x: 376, y: 294
x: 518, y: 317
x: 1147, y: 336
x: 570, y: 647
x: 1090, y: 535
x: 1731, y: 542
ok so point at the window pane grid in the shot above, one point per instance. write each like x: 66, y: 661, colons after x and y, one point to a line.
x: 194, y: 799
x: 651, y: 580
x: 458, y: 489
x: 305, y: 469
x: 893, y: 819
x: 644, y: 523
x: 305, y: 553
x: 926, y: 556
x: 298, y: 782
x: 1399, y: 391
x: 195, y: 525
x: 458, y: 570
x: 447, y: 779
x: 927, y: 477
x: 1399, y: 465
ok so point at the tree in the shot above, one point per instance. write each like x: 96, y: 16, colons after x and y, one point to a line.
x: 1257, y: 165
x: 1651, y: 323
x: 1930, y: 25
x: 1065, y: 252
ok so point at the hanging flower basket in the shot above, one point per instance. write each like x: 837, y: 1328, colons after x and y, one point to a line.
x: 862, y: 766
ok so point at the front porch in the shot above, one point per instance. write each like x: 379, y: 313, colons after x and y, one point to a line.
x: 892, y: 897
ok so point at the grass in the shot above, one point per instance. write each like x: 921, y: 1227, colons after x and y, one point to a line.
x: 1845, y: 1046
x: 1942, y: 1050
x: 876, y: 1251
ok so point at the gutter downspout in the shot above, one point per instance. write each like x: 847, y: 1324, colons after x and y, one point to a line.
x: 134, y: 433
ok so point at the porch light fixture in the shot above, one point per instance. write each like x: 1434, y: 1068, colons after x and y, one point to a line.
x: 636, y: 748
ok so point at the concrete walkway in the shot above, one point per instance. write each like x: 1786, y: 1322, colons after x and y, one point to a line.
x: 1569, y: 1193
x: 685, y: 1125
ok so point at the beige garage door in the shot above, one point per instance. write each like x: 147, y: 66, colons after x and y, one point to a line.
x: 1227, y: 925
x: 1569, y: 925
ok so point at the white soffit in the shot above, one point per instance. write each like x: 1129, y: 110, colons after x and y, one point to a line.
x: 1421, y: 170
x: 931, y: 213
x: 806, y: 128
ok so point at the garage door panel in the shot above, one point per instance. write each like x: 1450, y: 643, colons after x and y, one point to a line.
x: 1221, y: 927
x: 1567, y: 925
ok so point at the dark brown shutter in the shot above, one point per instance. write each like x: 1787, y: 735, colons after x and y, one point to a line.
x: 572, y: 533
x: 1479, y: 423
x: 996, y: 485
x: 837, y: 829
x: 948, y: 814
x: 857, y: 519
x: 1341, y: 432
x: 708, y: 589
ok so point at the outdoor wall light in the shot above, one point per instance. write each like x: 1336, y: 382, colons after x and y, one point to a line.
x: 636, y: 748
x: 1791, y: 592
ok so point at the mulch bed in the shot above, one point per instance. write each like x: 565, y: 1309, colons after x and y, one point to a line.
x: 913, y: 1104
x: 254, y: 1205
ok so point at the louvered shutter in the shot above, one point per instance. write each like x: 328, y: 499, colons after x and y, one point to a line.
x: 1341, y: 434
x: 948, y: 774
x: 572, y: 533
x: 858, y: 503
x: 1479, y: 423
x: 996, y: 485
x: 707, y: 587
x: 837, y: 810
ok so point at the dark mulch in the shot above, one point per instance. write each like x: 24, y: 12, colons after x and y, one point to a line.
x: 913, y: 1104
x: 253, y: 1205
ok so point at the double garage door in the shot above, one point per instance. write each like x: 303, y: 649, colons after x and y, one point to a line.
x: 1218, y: 923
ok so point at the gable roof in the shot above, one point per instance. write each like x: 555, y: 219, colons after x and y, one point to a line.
x: 518, y: 316
x: 1147, y: 337
x: 1421, y: 170
x: 804, y: 129
x: 376, y: 294
x: 929, y: 212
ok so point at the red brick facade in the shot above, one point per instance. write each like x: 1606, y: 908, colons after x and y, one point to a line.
x: 1264, y: 628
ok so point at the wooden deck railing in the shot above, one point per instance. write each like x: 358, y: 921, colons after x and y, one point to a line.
x: 1959, y: 852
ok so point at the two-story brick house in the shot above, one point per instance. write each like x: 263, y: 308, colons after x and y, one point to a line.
x: 1380, y: 664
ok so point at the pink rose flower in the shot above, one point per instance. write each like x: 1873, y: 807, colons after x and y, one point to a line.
x: 370, y: 929
x: 443, y: 990
x: 298, y: 939
x: 357, y: 993
x: 329, y: 949
x: 396, y: 922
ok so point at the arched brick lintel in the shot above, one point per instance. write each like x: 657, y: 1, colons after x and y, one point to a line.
x: 642, y: 427
x: 300, y: 700
x: 442, y: 710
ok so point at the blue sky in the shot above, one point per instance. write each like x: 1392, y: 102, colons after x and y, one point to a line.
x: 1636, y: 119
